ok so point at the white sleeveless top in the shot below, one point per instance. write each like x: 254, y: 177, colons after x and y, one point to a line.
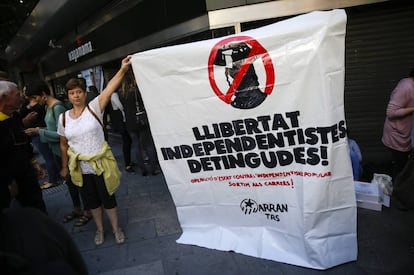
x: 84, y: 134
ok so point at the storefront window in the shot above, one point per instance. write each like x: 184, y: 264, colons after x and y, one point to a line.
x: 93, y: 77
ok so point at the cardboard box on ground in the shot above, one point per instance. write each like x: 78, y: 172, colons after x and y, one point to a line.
x: 373, y: 195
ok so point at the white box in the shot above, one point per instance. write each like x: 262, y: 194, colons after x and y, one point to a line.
x: 368, y: 195
x: 366, y: 191
x: 377, y: 206
x: 386, y: 200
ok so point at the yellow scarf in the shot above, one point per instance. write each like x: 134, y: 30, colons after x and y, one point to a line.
x: 3, y: 116
x: 102, y: 162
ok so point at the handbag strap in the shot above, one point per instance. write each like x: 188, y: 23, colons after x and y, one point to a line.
x: 89, y: 109
x: 53, y: 110
x: 93, y: 113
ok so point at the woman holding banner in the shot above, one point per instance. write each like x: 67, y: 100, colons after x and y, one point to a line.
x: 87, y: 155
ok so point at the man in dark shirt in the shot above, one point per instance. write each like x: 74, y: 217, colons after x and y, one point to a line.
x: 32, y: 243
x: 16, y: 154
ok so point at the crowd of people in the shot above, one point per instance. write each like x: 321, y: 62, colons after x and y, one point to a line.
x: 74, y: 146
x: 73, y: 143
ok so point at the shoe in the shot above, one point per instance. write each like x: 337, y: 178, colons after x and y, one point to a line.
x: 156, y: 171
x: 129, y: 169
x: 99, y: 237
x: 46, y: 185
x: 72, y: 215
x: 119, y: 236
x: 144, y: 173
x: 82, y: 220
x: 132, y: 164
x: 400, y: 206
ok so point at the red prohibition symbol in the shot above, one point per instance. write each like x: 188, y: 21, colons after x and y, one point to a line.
x: 237, y: 55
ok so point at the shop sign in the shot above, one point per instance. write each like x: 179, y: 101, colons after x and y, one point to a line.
x: 80, y: 51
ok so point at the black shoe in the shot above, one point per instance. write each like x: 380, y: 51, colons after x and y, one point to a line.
x: 400, y: 206
x: 156, y: 171
x: 129, y: 169
x: 144, y: 173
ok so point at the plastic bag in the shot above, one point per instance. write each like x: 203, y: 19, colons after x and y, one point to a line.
x: 384, y: 182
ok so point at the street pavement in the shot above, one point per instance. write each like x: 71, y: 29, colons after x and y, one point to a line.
x: 149, y: 218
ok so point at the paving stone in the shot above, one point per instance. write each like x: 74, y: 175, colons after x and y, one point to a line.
x: 154, y: 268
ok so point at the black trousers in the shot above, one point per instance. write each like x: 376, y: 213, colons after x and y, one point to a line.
x: 399, y: 160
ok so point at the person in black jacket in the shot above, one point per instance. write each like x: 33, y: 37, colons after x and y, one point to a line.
x: 16, y: 154
x: 138, y: 126
x: 31, y: 243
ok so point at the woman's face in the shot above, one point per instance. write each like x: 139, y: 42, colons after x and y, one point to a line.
x: 77, y: 96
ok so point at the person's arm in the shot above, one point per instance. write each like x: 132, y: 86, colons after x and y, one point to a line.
x: 49, y: 135
x: 27, y: 119
x: 64, y: 146
x: 396, y: 112
x: 398, y: 106
x: 114, y: 83
x: 32, y: 131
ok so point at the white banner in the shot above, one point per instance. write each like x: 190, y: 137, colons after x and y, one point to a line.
x: 251, y: 136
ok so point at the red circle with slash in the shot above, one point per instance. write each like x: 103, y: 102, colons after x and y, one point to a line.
x: 256, y: 50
